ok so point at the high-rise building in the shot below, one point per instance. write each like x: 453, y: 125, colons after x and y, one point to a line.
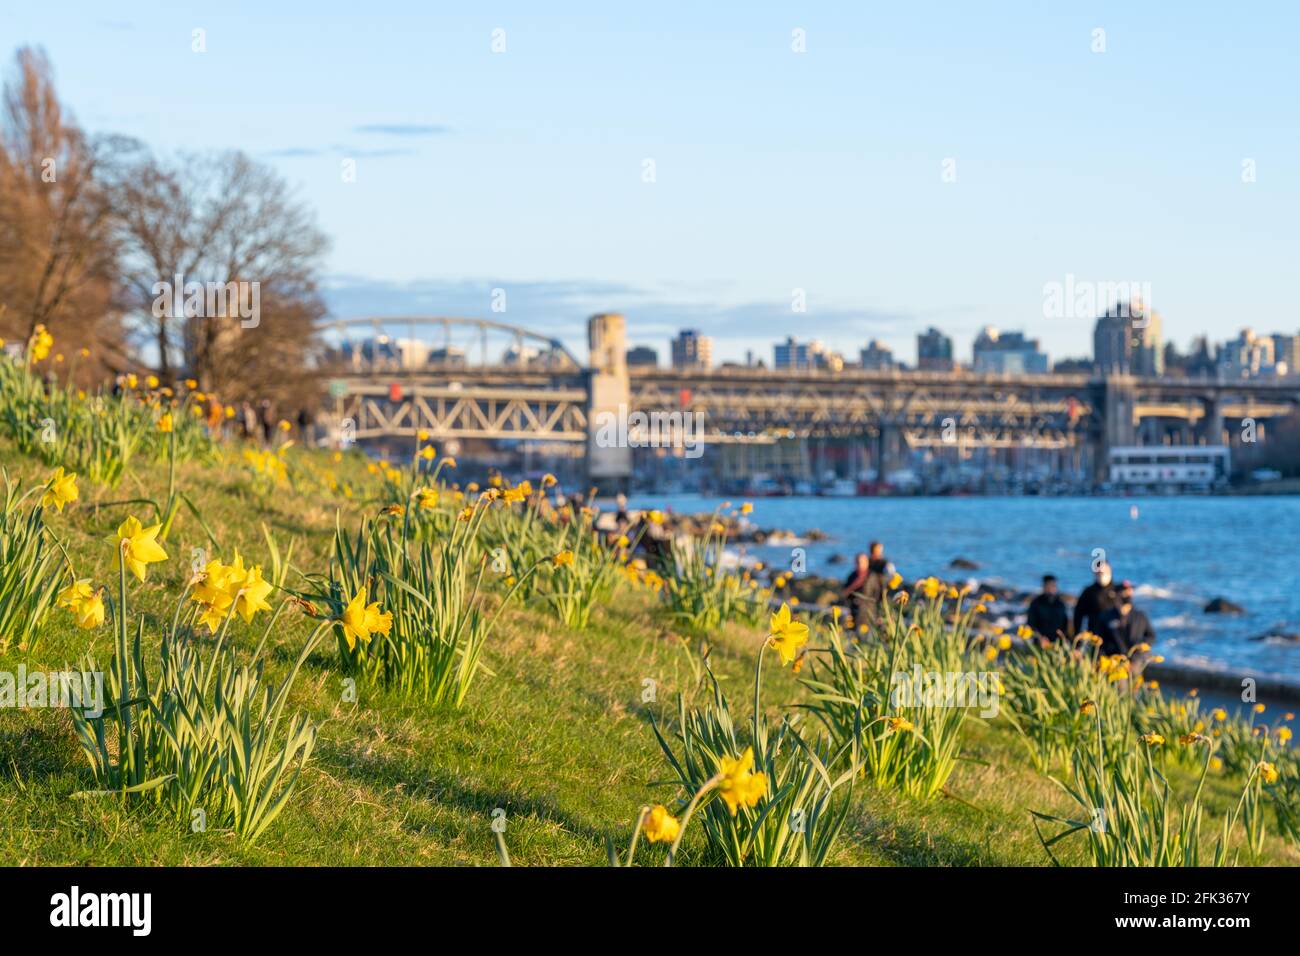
x: 692, y: 350
x: 934, y: 351
x: 642, y: 356
x: 1247, y: 356
x: 877, y: 357
x: 1127, y: 340
x: 805, y: 355
x: 1008, y: 353
x: 1286, y: 354
x: 792, y: 355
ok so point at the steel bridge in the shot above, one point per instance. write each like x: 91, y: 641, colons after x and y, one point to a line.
x: 475, y: 378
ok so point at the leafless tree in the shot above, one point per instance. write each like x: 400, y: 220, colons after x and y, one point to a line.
x: 57, y: 249
x: 219, y: 220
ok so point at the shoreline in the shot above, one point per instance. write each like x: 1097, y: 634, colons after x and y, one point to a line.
x: 815, y: 592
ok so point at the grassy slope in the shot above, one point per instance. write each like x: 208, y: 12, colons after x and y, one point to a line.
x: 558, y: 737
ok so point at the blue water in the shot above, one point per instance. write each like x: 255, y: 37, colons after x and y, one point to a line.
x: 1179, y: 551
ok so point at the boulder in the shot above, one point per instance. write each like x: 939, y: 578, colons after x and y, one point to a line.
x: 963, y: 564
x: 1222, y: 605
x: 1289, y: 637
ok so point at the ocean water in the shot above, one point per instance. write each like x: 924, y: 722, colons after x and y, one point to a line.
x: 1180, y: 552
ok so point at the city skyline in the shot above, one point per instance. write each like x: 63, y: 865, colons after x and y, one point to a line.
x: 906, y: 170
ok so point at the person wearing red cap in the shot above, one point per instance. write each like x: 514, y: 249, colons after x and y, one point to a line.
x: 1124, y: 627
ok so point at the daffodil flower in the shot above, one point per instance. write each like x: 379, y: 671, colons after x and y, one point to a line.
x: 138, y: 546
x: 787, y: 635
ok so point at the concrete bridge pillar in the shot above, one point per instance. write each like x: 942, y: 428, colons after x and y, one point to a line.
x: 1211, y: 425
x: 609, y: 392
x: 1119, y: 403
x: 889, y: 453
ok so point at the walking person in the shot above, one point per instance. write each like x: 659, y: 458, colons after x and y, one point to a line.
x: 1047, y: 615
x: 867, y: 584
x: 1124, y: 627
x: 266, y: 414
x: 1096, y: 598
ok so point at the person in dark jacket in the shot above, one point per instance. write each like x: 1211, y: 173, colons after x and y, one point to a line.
x: 867, y: 584
x: 1123, y: 627
x: 1096, y: 598
x: 1047, y: 614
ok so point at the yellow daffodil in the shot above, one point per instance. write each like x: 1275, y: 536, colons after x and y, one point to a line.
x: 1283, y: 734
x: 1088, y: 707
x: 1267, y: 772
x: 138, y: 546
x: 739, y: 786
x: 563, y: 560
x: 931, y: 587
x: 40, y: 344
x: 661, y: 826
x: 361, y: 620
x: 60, y: 489
x: 252, y: 594
x: 1004, y: 643
x: 74, y: 594
x: 1153, y: 740
x: 427, y: 498
x: 787, y: 635
x: 165, y: 423
x: 428, y: 453
x: 1258, y: 708
x: 448, y: 462
x: 898, y: 725
x: 746, y: 508
x: 90, y: 612
x: 1219, y: 713
x: 655, y: 517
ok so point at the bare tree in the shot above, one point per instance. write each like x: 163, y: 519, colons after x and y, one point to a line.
x: 219, y: 223
x: 57, y: 254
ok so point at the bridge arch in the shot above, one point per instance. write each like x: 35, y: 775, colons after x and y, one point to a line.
x: 420, y: 342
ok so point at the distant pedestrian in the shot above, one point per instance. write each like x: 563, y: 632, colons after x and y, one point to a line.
x: 1124, y: 627
x: 1096, y: 598
x: 266, y: 414
x: 248, y: 420
x: 1047, y: 615
x: 867, y: 584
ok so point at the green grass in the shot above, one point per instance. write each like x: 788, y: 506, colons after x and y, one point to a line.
x: 556, y: 735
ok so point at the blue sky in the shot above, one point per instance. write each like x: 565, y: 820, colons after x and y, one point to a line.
x: 774, y: 170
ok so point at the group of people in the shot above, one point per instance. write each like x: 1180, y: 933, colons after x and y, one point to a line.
x: 1103, y: 608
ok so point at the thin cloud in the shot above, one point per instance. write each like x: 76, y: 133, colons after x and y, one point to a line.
x: 345, y: 152
x: 402, y: 129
